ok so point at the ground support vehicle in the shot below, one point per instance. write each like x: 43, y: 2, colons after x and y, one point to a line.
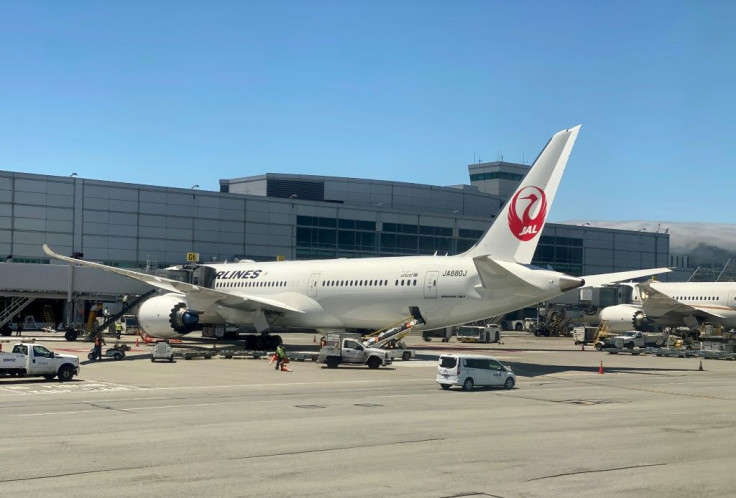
x: 130, y: 325
x: 391, y: 341
x: 30, y: 359
x: 197, y: 353
x: 95, y: 327
x: 673, y: 352
x: 397, y: 350
x: 117, y: 352
x: 634, y: 339
x: 468, y: 371
x: 346, y: 347
x: 478, y: 333
x: 517, y: 325
x: 444, y: 334
x: 631, y: 351
x: 162, y: 350
x: 230, y: 353
x: 585, y: 335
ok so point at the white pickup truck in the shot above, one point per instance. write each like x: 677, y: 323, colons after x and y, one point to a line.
x: 347, y: 348
x: 30, y: 359
x: 634, y: 338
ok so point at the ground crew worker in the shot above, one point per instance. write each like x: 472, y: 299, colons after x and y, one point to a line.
x: 99, y: 341
x: 280, y: 355
x: 118, y: 328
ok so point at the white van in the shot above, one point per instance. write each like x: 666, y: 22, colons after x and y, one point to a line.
x: 469, y: 370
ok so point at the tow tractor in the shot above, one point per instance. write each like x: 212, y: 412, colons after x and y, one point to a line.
x: 117, y: 352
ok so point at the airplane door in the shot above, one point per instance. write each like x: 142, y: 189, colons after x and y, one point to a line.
x: 732, y: 300
x: 430, y: 284
x: 312, y: 285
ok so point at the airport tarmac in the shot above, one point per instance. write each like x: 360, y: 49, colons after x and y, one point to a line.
x: 647, y: 426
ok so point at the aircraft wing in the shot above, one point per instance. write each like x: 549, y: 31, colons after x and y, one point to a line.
x: 609, y: 278
x: 658, y: 303
x: 198, y: 297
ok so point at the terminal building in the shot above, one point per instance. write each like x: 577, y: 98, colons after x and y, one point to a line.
x: 264, y: 218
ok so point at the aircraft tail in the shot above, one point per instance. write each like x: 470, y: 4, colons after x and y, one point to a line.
x: 514, y: 234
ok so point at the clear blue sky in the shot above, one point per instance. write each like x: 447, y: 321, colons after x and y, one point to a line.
x: 187, y: 92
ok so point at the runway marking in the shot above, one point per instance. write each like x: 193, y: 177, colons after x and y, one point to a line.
x: 65, y: 388
x: 100, y: 386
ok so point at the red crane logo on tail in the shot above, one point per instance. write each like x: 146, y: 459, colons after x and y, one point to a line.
x: 529, y: 224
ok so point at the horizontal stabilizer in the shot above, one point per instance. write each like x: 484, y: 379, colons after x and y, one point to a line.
x: 490, y: 272
x: 503, y: 274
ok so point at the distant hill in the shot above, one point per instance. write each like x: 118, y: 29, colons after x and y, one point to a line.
x: 709, y: 245
x: 684, y: 237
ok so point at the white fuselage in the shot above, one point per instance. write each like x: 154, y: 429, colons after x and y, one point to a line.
x: 694, y: 298
x: 375, y: 292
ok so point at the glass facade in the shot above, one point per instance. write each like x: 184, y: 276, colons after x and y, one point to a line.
x: 496, y: 175
x: 320, y: 238
x: 466, y: 239
x: 563, y: 254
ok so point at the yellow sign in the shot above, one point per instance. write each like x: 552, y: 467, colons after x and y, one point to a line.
x: 192, y: 257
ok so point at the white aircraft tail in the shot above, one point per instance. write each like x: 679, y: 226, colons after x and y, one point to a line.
x: 514, y: 234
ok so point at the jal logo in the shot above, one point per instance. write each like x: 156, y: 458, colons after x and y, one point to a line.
x: 527, y: 213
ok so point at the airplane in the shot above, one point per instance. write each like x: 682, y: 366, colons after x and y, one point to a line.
x: 491, y: 278
x: 675, y: 304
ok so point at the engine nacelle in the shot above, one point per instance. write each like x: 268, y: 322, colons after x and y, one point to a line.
x: 624, y: 317
x: 167, y: 317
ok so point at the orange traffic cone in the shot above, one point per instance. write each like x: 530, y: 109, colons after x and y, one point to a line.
x: 600, y: 369
x: 314, y: 338
x: 136, y: 342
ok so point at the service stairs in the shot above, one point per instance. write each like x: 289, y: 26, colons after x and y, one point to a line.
x: 17, y: 304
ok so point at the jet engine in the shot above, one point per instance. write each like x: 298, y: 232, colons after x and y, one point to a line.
x: 167, y: 317
x: 625, y: 317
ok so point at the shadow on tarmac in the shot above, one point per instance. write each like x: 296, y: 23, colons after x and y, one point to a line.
x: 534, y: 370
